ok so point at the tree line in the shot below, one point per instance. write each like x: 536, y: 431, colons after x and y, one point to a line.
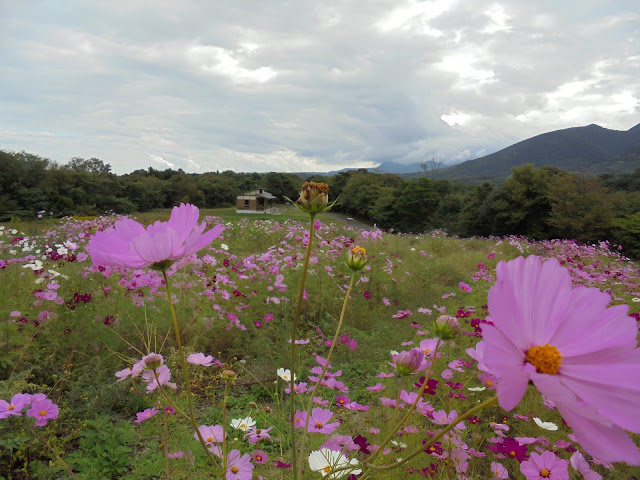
x: 540, y: 203
x: 30, y: 184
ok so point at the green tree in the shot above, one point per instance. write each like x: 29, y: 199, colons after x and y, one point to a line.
x: 416, y: 205
x: 521, y: 205
x: 476, y: 217
x: 581, y: 208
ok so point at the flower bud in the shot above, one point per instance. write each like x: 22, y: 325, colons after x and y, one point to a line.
x: 407, y: 362
x: 314, y: 198
x: 314, y: 194
x: 446, y: 327
x: 153, y: 361
x: 356, y: 258
x: 228, y: 374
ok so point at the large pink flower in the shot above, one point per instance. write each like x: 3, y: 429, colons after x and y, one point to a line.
x: 575, y: 350
x: 129, y: 244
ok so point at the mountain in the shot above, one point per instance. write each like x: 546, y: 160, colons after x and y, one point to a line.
x: 399, y: 168
x: 592, y: 150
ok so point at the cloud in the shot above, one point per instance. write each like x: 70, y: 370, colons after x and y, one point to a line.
x: 262, y: 86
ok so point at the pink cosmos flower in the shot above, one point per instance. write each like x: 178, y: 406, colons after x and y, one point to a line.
x: 442, y: 418
x: 129, y: 244
x: 254, y: 434
x: 164, y: 375
x: 18, y: 402
x: 43, y: 410
x: 318, y: 422
x: 238, y: 467
x: 123, y: 374
x: 546, y: 465
x: 201, y: 359
x: 465, y: 287
x: 376, y: 387
x: 211, y: 433
x: 577, y: 352
x: 300, y: 419
x: 145, y: 415
x: 498, y: 471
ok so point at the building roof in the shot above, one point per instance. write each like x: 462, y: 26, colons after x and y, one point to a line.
x: 260, y: 193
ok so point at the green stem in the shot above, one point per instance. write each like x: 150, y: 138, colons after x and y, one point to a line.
x: 292, y: 406
x: 224, y: 426
x: 433, y: 439
x: 166, y: 442
x: 326, y: 365
x: 185, y: 370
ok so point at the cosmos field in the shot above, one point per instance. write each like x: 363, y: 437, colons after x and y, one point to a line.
x: 93, y: 380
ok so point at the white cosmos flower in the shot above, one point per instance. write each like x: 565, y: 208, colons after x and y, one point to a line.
x: 285, y: 374
x: 476, y: 389
x: 398, y: 444
x: 546, y: 425
x: 224, y: 246
x: 635, y: 299
x: 243, y: 423
x: 326, y: 460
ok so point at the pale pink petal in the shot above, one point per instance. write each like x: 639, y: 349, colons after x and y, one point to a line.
x: 600, y: 438
x: 504, y: 360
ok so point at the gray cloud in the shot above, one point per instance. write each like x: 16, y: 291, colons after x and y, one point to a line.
x: 259, y: 86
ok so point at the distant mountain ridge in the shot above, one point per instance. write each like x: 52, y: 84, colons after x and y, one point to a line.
x: 592, y: 150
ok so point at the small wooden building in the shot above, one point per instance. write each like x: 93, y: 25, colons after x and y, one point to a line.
x: 256, y: 201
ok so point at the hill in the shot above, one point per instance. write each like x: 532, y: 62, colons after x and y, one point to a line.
x: 592, y: 150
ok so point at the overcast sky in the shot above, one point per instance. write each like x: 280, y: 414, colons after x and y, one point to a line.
x: 308, y: 85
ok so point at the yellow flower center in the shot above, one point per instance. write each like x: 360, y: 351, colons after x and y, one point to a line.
x: 234, y: 469
x: 488, y: 383
x: 545, y: 473
x: 209, y: 439
x: 243, y: 426
x: 327, y: 469
x: 427, y: 351
x: 546, y: 358
x: 43, y: 412
x: 359, y: 250
x: 258, y: 458
x: 318, y: 424
x: 512, y: 453
x: 11, y: 407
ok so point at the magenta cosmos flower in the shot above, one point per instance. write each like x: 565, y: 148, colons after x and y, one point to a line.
x: 576, y: 351
x: 129, y: 244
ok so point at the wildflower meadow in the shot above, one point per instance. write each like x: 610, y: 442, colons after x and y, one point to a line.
x: 187, y: 345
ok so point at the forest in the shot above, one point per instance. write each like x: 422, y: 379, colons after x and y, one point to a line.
x: 539, y: 203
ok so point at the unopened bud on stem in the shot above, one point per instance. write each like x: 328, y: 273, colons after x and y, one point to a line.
x: 446, y: 327
x: 356, y: 258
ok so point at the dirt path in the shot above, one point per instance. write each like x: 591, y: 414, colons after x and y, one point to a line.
x: 341, y: 217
